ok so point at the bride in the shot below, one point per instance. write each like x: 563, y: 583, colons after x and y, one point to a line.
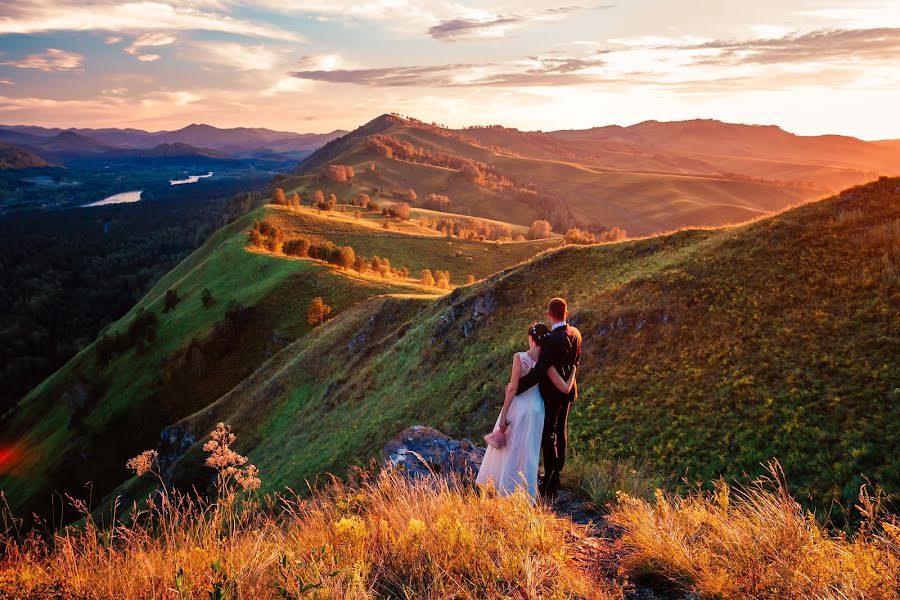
x: 522, y: 420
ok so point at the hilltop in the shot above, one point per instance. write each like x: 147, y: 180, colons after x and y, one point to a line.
x: 645, y: 179
x: 13, y: 158
x: 707, y: 352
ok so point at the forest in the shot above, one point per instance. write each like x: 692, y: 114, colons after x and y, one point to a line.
x: 65, y: 274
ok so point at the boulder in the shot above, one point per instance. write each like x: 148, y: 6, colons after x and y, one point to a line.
x: 421, y: 451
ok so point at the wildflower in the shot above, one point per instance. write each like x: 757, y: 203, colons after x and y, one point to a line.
x: 416, y: 527
x: 350, y: 526
x: 248, y: 478
x: 228, y: 462
x: 143, y: 462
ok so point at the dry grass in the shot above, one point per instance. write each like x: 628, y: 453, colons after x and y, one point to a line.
x: 757, y: 542
x: 377, y: 536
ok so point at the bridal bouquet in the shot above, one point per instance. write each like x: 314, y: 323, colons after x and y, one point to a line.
x: 496, y: 439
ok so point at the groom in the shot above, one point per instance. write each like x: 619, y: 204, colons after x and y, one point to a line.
x: 562, y: 350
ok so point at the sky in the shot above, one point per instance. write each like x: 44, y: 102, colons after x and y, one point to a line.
x: 809, y: 66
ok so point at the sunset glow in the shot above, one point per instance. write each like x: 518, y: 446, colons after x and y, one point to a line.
x: 810, y: 66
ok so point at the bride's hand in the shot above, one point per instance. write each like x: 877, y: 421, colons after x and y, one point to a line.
x: 510, y: 387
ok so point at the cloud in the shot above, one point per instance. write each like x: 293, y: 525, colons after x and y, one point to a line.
x: 51, y: 59
x: 238, y: 56
x: 113, y: 39
x: 497, y: 26
x: 149, y: 40
x: 6, y: 82
x: 35, y: 16
x: 533, y: 71
x: 843, y: 45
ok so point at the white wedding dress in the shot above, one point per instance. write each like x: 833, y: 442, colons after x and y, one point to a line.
x: 516, y: 465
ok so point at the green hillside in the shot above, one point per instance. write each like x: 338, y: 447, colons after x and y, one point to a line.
x: 105, y: 405
x: 531, y: 176
x: 707, y: 352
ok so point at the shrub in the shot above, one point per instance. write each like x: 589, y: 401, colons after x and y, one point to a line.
x: 340, y: 173
x: 296, y: 247
x: 278, y: 197
x: 436, y: 202
x: 206, y: 298
x: 427, y: 278
x: 171, y: 300
x: 539, y: 230
x: 318, y: 311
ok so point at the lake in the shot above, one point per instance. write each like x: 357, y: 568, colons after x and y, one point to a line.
x: 120, y: 198
x: 135, y: 196
x: 190, y: 179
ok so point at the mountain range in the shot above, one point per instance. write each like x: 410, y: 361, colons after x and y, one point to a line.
x: 239, y: 142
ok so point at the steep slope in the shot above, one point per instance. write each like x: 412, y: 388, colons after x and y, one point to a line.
x: 113, y: 398
x: 705, y: 354
x: 12, y: 157
x: 519, y: 182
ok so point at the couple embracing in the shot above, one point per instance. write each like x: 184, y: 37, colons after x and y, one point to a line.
x: 535, y: 410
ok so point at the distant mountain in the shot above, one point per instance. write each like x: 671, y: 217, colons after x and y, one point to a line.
x: 13, y: 157
x: 69, y: 142
x: 763, y: 151
x: 171, y: 150
x: 237, y: 142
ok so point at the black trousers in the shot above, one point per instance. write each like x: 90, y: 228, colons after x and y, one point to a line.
x: 554, y: 440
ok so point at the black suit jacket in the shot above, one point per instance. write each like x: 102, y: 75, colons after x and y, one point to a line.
x: 561, y: 350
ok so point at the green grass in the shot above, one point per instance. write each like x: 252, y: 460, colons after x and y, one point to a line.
x: 128, y: 401
x: 706, y: 353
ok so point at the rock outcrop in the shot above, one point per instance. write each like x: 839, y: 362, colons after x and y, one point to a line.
x: 420, y: 451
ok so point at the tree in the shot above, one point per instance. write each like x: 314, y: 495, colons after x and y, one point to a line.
x: 401, y: 211
x: 437, y: 202
x: 346, y: 257
x: 443, y: 280
x: 294, y: 200
x: 363, y: 200
x: 539, y: 230
x: 318, y: 311
x: 318, y: 198
x: 340, y: 173
x: 206, y: 298
x: 409, y: 195
x: 371, y: 168
x: 470, y: 279
x: 427, y: 278
x: 296, y: 247
x: 278, y: 197
x: 577, y: 236
x: 171, y: 299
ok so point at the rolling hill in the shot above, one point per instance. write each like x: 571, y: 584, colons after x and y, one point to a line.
x: 104, y: 405
x: 13, y: 158
x: 707, y: 352
x: 647, y: 180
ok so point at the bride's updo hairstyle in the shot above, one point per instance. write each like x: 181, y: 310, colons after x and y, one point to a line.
x: 539, y: 333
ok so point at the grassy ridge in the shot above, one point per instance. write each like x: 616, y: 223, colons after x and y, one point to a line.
x: 706, y: 353
x: 79, y: 424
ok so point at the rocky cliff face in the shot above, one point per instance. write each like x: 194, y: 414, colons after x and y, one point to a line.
x: 420, y: 451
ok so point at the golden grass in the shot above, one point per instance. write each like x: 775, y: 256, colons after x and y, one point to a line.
x: 378, y: 536
x: 757, y: 542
